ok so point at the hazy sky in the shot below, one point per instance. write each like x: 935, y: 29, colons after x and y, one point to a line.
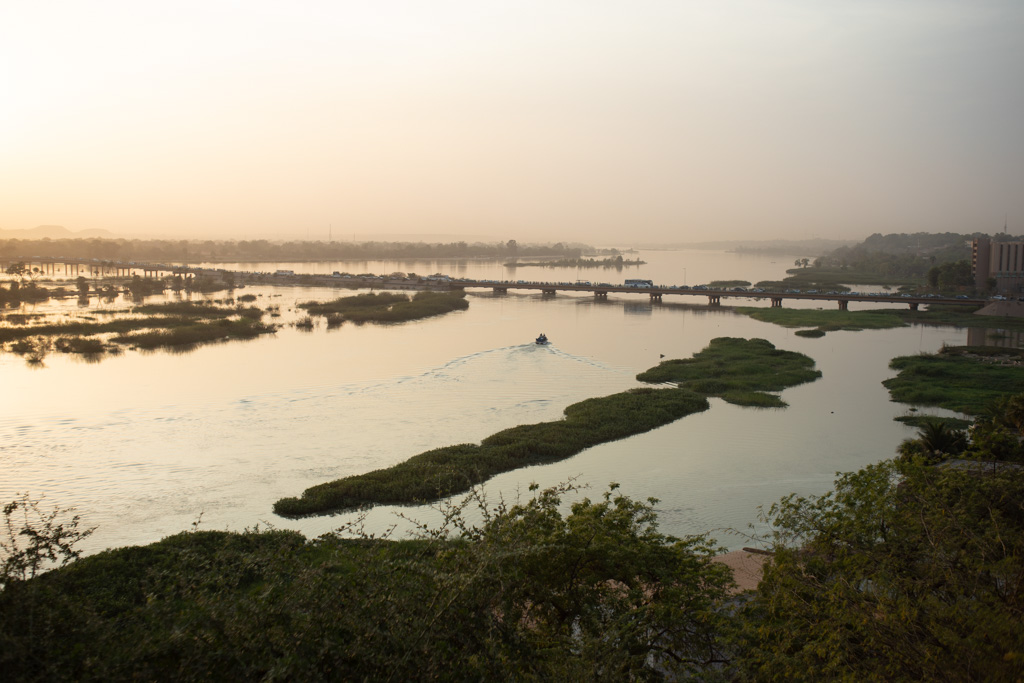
x: 551, y: 120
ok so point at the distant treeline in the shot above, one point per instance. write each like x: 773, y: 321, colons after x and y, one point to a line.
x: 264, y: 250
x: 903, y: 255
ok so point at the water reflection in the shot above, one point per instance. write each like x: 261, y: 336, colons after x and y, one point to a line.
x: 143, y: 443
x: 983, y: 336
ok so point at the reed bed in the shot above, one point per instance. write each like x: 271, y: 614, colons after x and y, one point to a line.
x: 177, y: 324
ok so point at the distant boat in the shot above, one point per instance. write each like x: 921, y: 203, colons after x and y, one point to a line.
x: 542, y: 340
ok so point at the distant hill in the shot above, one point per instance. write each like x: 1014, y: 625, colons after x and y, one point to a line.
x: 54, y: 232
x: 800, y: 247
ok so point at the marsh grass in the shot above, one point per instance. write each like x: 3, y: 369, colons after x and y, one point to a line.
x: 878, y: 319
x: 177, y: 324
x: 738, y: 370
x: 965, y: 379
x: 193, y: 334
x: 81, y: 345
x: 753, y: 399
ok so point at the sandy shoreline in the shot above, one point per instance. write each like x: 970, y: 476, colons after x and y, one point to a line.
x: 746, y: 567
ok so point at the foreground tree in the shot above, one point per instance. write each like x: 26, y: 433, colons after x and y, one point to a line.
x: 903, y: 572
x: 528, y: 594
x: 935, y: 441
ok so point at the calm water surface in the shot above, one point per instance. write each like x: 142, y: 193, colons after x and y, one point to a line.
x: 143, y: 444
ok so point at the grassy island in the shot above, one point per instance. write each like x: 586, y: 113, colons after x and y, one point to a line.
x: 967, y: 379
x: 387, y: 307
x: 738, y: 370
x: 453, y: 469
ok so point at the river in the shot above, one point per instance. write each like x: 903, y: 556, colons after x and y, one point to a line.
x: 145, y: 444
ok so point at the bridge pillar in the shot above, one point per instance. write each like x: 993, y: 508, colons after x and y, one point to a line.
x: 547, y: 292
x: 600, y: 295
x: 776, y: 302
x: 655, y: 296
x: 714, y: 300
x: 913, y: 306
x: 844, y: 305
x: 500, y: 290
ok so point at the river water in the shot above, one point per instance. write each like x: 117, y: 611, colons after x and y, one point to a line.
x: 144, y: 444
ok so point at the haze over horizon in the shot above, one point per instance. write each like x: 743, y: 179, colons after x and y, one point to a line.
x: 580, y: 121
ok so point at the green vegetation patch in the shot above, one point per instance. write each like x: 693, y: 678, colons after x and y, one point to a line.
x: 964, y: 378
x: 826, y: 321
x: 739, y: 371
x: 728, y: 284
x: 533, y: 592
x: 449, y: 470
x: 386, y: 307
x: 879, y: 319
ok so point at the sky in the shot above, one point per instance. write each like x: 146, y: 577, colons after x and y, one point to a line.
x: 582, y: 120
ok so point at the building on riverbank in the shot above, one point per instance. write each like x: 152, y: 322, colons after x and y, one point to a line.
x: 999, y: 261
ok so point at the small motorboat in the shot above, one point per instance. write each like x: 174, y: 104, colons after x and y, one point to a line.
x: 542, y: 340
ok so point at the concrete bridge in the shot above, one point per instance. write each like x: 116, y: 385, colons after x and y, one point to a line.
x: 75, y: 266
x: 715, y: 296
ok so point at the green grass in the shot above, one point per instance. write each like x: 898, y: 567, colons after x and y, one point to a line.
x: 386, y: 307
x: 964, y: 379
x: 738, y: 370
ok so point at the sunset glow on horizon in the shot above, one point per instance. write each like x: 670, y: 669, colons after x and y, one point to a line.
x: 600, y: 122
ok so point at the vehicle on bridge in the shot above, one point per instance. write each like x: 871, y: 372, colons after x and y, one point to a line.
x: 638, y: 283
